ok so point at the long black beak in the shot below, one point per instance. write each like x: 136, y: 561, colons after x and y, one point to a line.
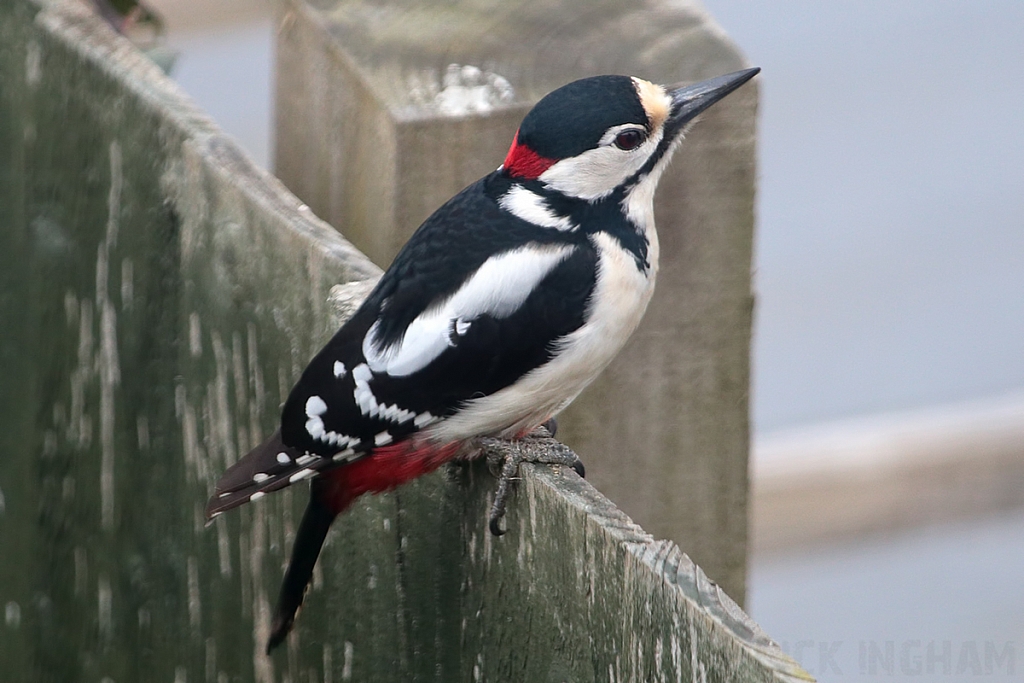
x: 691, y: 100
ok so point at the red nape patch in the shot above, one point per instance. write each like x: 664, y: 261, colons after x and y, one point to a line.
x: 387, y: 468
x: 523, y: 162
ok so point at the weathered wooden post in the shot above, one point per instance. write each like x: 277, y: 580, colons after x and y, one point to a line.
x: 159, y: 297
x: 386, y: 109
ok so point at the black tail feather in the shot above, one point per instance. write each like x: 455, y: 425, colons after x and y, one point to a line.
x: 258, y: 471
x: 270, y: 466
x: 308, y: 542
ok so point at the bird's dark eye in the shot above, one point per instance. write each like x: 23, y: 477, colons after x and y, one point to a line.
x: 629, y: 139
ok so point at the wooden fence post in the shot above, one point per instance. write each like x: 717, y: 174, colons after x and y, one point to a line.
x: 386, y: 109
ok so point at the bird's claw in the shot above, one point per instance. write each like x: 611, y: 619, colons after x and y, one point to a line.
x: 505, y: 457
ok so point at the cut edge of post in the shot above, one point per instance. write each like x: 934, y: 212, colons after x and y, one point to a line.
x: 698, y: 595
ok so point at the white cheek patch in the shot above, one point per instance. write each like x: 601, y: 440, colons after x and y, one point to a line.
x: 498, y: 288
x: 639, y: 203
x: 597, y: 172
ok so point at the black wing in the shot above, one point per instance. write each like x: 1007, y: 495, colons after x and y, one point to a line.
x: 345, y: 404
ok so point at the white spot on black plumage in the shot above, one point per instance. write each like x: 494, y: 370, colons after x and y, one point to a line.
x: 362, y: 373
x: 300, y: 475
x: 346, y: 454
x: 306, y: 459
x: 315, y: 427
x: 334, y: 439
x: 339, y: 369
x: 383, y: 439
x: 368, y: 403
x: 363, y: 396
x: 396, y: 414
x: 283, y: 458
x: 315, y: 406
x: 260, y: 477
x: 423, y: 419
x: 256, y: 496
x: 458, y: 328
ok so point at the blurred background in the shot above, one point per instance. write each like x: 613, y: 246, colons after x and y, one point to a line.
x: 888, y: 407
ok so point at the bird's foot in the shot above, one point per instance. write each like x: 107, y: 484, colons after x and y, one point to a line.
x: 551, y: 426
x: 505, y: 456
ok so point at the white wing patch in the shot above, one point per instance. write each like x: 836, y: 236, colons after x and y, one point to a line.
x: 532, y: 208
x: 498, y: 288
x: 620, y: 298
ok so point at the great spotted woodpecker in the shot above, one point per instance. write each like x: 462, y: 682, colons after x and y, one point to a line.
x: 499, y: 310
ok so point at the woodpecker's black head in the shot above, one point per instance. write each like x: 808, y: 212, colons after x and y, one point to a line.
x: 594, y: 135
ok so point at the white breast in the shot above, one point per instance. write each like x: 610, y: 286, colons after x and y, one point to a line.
x: 621, y: 295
